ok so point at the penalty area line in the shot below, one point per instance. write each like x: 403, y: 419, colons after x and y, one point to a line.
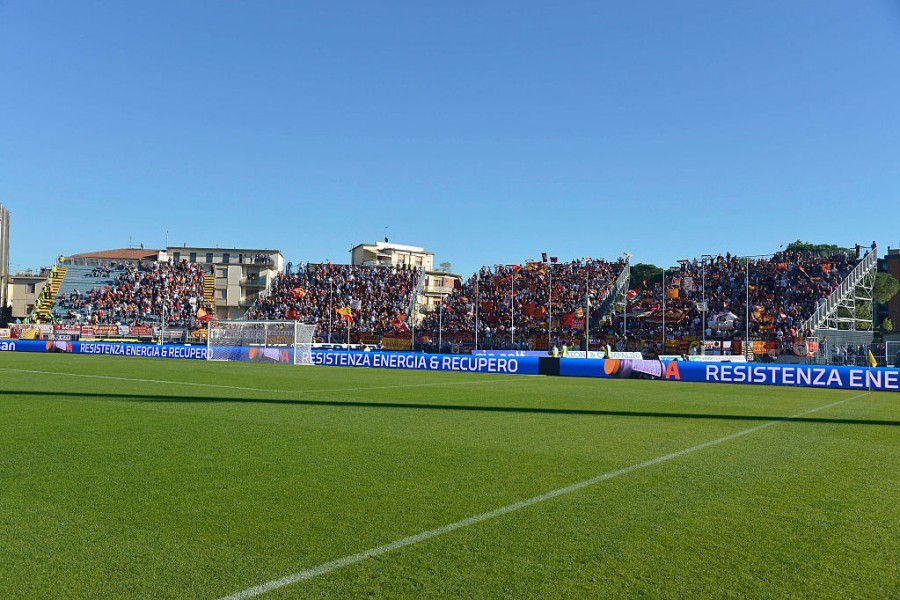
x: 346, y: 561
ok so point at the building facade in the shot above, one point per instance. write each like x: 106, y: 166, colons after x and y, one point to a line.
x: 388, y: 254
x: 438, y: 285
x: 25, y: 288
x: 239, y: 274
x: 891, y: 264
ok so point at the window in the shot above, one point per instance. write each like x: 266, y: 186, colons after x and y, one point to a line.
x: 226, y: 258
x: 176, y: 256
x: 209, y: 258
x: 222, y: 273
x: 240, y: 258
x: 193, y: 257
x: 29, y: 288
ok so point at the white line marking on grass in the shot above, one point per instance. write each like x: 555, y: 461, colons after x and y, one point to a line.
x: 346, y: 561
x: 504, y: 378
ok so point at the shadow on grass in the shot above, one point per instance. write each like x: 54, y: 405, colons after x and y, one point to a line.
x: 444, y: 407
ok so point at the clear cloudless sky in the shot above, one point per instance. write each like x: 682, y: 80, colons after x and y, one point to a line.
x: 486, y: 132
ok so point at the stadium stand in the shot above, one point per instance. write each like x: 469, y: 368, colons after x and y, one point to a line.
x: 78, y: 280
x: 493, y: 288
x: 134, y: 295
x: 513, y: 302
x: 378, y: 298
x: 784, y: 290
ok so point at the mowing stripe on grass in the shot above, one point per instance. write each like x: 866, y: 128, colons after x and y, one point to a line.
x: 346, y: 561
x: 504, y: 378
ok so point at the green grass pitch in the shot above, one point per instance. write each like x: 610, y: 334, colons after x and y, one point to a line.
x: 143, y: 478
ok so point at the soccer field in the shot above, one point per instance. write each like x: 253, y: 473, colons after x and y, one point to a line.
x: 147, y: 478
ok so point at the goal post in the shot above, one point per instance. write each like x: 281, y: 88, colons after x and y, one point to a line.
x: 303, y: 342
x: 260, y: 341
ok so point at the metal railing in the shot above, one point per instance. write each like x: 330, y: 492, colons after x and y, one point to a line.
x: 412, y: 312
x: 847, y: 286
x: 259, y: 282
x: 444, y: 290
x: 620, y: 284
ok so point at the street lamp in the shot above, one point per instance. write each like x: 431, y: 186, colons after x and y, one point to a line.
x: 162, y: 322
x: 440, y: 321
x: 477, y: 302
x: 704, y: 305
x: 747, y: 308
x: 512, y: 310
x: 587, y: 306
x: 665, y: 292
x: 330, y: 306
x: 413, y: 304
x: 550, y: 306
x: 747, y: 301
x: 550, y: 296
x: 587, y: 320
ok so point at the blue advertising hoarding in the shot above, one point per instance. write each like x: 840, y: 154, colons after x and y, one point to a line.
x: 822, y: 376
x: 521, y: 365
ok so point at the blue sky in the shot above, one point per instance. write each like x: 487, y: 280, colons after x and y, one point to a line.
x: 487, y: 132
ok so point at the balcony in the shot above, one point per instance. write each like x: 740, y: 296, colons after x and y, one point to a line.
x: 254, y: 282
x: 439, y: 290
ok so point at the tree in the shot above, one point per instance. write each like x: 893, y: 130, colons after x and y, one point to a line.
x: 886, y: 287
x: 887, y: 325
x: 863, y: 316
x: 807, y: 246
x: 645, y: 272
x: 445, y: 267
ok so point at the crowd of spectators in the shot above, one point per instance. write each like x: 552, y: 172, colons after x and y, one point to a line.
x: 514, y: 302
x: 103, y: 271
x: 139, y: 295
x: 378, y: 298
x: 784, y: 290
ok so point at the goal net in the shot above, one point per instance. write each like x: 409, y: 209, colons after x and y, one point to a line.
x: 261, y: 341
x: 892, y: 354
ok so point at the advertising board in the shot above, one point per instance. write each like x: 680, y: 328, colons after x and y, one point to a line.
x: 835, y: 377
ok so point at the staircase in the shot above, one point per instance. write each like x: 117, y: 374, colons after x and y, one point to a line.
x: 209, y: 292
x: 417, y: 300
x: 41, y: 312
x: 857, y: 285
x: 81, y: 278
x: 618, y: 291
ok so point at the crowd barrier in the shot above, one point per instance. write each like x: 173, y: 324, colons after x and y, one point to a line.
x: 843, y: 377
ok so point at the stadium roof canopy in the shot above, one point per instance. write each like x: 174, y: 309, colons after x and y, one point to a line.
x: 121, y: 254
